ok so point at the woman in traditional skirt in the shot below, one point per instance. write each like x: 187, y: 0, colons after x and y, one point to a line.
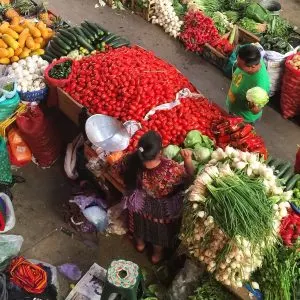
x: 154, y: 195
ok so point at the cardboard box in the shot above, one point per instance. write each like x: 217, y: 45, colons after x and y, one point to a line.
x: 68, y: 106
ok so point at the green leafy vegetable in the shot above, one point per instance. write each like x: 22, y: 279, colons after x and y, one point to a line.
x: 180, y: 9
x: 258, y: 96
x: 257, y: 13
x: 171, y: 151
x: 210, y: 289
x: 209, y: 6
x: 201, y: 154
x: 277, y: 44
x: 232, y: 16
x: 279, y: 275
x: 279, y: 27
x: 238, y: 5
x: 221, y: 22
x: 252, y: 26
x: 193, y: 137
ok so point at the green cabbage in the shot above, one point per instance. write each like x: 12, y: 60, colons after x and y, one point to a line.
x: 258, y: 96
x: 171, y: 151
x: 193, y: 137
x: 201, y: 154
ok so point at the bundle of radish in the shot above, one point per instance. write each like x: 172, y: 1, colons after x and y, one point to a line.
x: 86, y: 38
x: 235, y: 201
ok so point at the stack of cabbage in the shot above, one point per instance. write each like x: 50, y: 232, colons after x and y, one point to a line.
x: 201, y: 145
x: 232, y: 214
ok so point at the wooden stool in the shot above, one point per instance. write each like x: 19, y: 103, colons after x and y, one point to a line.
x: 123, y: 278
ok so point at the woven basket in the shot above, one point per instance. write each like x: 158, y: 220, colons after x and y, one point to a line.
x: 35, y: 96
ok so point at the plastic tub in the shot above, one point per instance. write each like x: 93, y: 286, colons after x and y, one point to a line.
x: 272, y: 6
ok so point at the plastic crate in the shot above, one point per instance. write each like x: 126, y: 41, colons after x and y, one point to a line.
x: 4, y: 125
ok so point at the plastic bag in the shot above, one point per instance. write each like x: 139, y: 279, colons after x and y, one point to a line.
x: 5, y: 171
x: 97, y: 216
x: 58, y: 82
x: 40, y: 135
x: 290, y: 91
x: 71, y: 271
x: 274, y: 62
x: 9, y: 212
x: 20, y: 152
x: 185, y: 281
x: 8, y: 107
x: 10, y: 246
x: 5, y: 82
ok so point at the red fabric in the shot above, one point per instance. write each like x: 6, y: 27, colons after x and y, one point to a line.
x: 2, y: 221
x: 290, y: 91
x: 40, y: 136
x: 28, y: 276
x: 297, y: 163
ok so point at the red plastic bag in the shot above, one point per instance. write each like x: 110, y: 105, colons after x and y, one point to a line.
x: 290, y: 90
x: 297, y: 163
x: 39, y: 134
x: 19, y: 152
x: 58, y: 82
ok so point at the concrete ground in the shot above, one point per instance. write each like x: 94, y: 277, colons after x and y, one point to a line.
x: 38, y: 201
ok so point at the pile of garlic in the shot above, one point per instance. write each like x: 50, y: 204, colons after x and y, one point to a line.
x: 29, y: 73
x: 164, y: 15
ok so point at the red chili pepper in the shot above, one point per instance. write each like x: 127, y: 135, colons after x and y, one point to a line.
x: 243, y: 132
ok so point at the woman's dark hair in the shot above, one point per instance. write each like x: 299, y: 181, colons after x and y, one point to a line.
x: 149, y: 146
x: 250, y: 55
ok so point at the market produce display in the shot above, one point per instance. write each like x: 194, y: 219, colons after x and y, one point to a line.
x: 29, y: 73
x: 290, y: 88
x: 201, y: 146
x: 233, y: 131
x: 190, y: 114
x: 62, y: 70
x: 279, y: 276
x: 290, y: 228
x: 165, y: 15
x: 85, y: 38
x: 125, y: 83
x: 198, y: 30
x: 21, y: 38
x: 221, y: 228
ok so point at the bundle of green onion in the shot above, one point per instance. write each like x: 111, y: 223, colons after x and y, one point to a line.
x: 240, y: 207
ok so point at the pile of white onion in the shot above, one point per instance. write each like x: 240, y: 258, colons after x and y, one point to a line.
x: 243, y: 257
x: 164, y: 15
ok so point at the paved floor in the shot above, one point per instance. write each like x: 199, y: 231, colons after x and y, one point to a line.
x: 38, y: 201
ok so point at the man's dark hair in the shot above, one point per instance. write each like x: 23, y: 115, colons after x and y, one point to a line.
x: 250, y: 55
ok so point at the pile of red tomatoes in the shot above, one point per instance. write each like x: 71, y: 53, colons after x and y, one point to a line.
x: 125, y: 83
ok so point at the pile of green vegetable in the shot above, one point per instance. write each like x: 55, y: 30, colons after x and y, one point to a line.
x: 278, y: 44
x: 210, y: 289
x: 88, y: 35
x: 240, y: 206
x: 201, y: 145
x: 62, y: 70
x: 221, y: 22
x: 279, y: 276
x: 296, y: 194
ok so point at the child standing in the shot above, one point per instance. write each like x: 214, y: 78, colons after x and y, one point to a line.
x: 251, y: 72
x: 155, y: 194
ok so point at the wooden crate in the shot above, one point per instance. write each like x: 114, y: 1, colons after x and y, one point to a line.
x: 216, y: 58
x: 69, y: 106
x: 145, y: 12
